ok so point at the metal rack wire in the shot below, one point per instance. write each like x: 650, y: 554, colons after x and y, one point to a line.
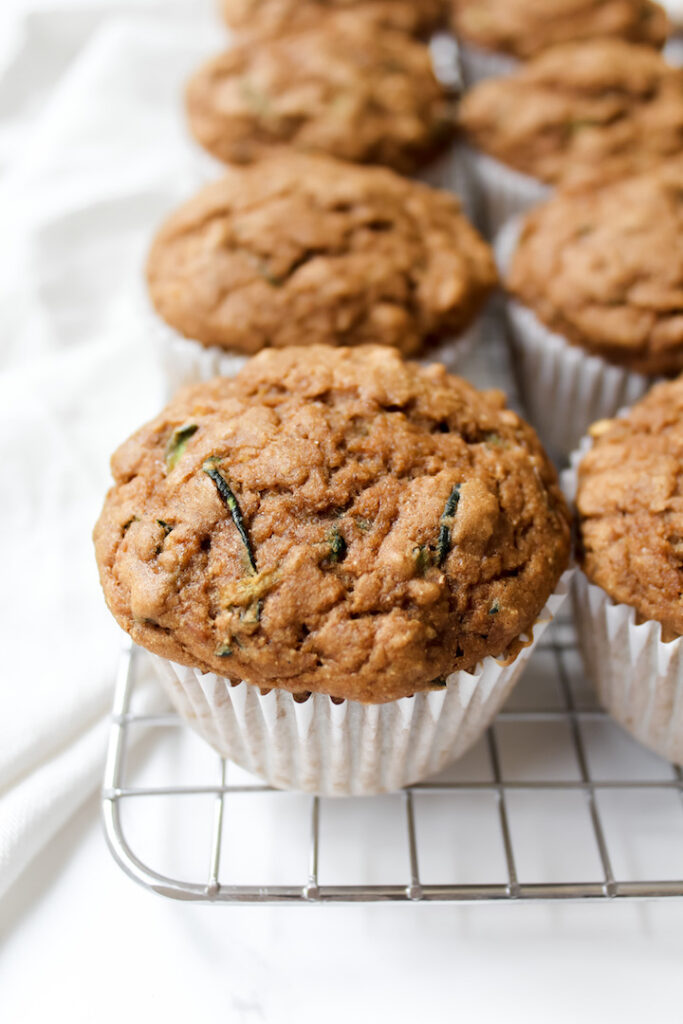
x: 310, y: 888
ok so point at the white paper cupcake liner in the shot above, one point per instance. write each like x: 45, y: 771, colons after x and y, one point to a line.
x: 445, y: 53
x: 454, y: 352
x: 454, y: 171
x: 638, y: 677
x: 350, y: 748
x: 673, y: 51
x: 477, y: 64
x: 503, y: 192
x: 188, y: 362
x: 184, y: 362
x: 563, y: 388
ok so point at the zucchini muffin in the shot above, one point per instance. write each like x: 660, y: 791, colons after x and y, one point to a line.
x: 341, y: 88
x: 630, y: 504
x: 303, y: 249
x: 604, y: 269
x: 580, y: 113
x: 266, y: 17
x: 333, y: 521
x: 523, y: 28
x: 628, y: 481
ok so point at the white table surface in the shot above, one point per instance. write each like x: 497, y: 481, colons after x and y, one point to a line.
x: 86, y: 940
x: 78, y: 940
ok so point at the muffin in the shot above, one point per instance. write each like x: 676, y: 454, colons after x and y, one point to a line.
x: 597, y: 275
x: 303, y: 249
x: 341, y: 524
x: 340, y: 88
x: 581, y: 113
x: 497, y: 33
x: 628, y: 485
x: 268, y: 17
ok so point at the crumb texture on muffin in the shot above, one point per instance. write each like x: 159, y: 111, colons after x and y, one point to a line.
x: 630, y: 503
x: 604, y: 268
x: 580, y: 113
x: 299, y: 249
x: 266, y: 17
x: 335, y: 521
x: 341, y: 88
x: 523, y: 28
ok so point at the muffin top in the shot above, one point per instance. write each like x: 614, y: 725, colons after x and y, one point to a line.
x: 581, y: 113
x: 335, y: 521
x: 300, y: 249
x: 630, y: 502
x: 341, y: 88
x: 604, y: 268
x: 268, y: 17
x: 523, y: 28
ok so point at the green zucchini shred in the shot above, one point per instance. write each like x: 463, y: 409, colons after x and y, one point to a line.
x: 444, y: 543
x: 177, y: 444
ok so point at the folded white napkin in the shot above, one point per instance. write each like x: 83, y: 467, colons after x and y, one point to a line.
x: 93, y: 154
x: 58, y: 420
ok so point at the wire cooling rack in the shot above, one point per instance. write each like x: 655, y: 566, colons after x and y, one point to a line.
x: 555, y: 804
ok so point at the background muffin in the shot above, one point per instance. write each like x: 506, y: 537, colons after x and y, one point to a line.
x: 305, y: 249
x: 582, y: 112
x: 333, y: 521
x: 522, y: 28
x: 630, y: 505
x: 628, y: 485
x: 604, y: 268
x: 275, y: 16
x: 340, y: 88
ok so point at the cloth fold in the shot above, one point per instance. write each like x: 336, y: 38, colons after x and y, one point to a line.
x: 58, y: 421
x: 92, y: 155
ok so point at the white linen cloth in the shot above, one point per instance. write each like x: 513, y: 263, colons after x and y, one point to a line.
x: 90, y: 165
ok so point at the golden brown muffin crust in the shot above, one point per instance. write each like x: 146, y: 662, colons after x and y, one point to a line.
x: 341, y: 88
x: 272, y: 17
x: 580, y: 113
x: 332, y: 520
x: 630, y: 502
x: 306, y: 249
x: 604, y: 268
x: 522, y: 28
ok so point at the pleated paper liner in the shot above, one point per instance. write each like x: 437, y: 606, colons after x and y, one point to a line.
x: 185, y: 362
x: 638, y: 677
x: 477, y: 64
x: 503, y: 192
x: 348, y: 748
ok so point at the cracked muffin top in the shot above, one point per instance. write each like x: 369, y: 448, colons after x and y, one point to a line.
x: 580, y: 113
x: 333, y: 521
x: 341, y: 88
x: 301, y: 249
x: 604, y: 268
x: 272, y: 17
x: 630, y: 502
x: 523, y: 28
